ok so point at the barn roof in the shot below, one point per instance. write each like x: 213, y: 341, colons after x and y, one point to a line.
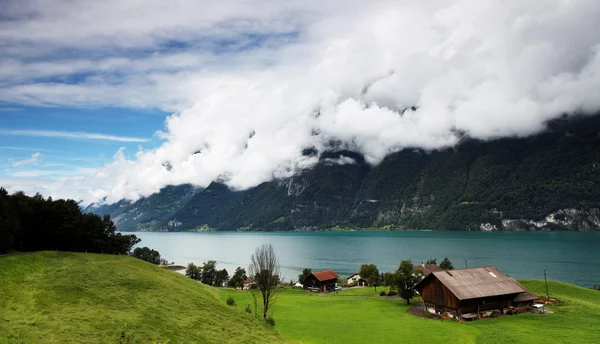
x: 428, y: 268
x: 325, y: 275
x: 476, y: 282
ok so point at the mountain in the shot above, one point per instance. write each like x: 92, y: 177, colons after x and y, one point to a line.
x: 544, y: 182
x: 148, y: 213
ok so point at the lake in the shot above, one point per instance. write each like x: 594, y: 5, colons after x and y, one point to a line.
x: 572, y: 257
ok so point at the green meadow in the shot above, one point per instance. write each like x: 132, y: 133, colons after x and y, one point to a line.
x: 53, y: 297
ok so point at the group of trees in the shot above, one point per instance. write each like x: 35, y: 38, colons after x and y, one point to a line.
x: 35, y: 223
x: 208, y: 274
x: 147, y: 254
x: 446, y: 264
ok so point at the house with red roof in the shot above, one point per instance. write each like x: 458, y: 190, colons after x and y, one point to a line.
x: 322, y: 280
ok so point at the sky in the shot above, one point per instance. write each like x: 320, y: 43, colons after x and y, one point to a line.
x: 101, y: 101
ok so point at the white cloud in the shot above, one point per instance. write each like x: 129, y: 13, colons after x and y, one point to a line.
x: 256, y: 82
x: 71, y: 135
x: 35, y: 158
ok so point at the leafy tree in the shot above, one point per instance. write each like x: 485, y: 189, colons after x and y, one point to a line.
x: 193, y: 272
x: 209, y: 272
x: 264, y: 269
x: 238, y: 278
x: 370, y: 273
x: 221, y: 278
x: 431, y: 261
x: 446, y: 264
x: 406, y: 279
x: 146, y: 254
x: 305, y: 273
x: 389, y: 279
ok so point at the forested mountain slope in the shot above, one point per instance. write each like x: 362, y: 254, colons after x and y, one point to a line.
x: 543, y: 182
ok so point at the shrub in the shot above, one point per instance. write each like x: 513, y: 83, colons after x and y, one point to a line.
x: 382, y: 293
x: 231, y: 301
x: 392, y: 293
x: 248, y: 309
x: 270, y: 321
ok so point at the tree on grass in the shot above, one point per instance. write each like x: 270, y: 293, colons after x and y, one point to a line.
x: 370, y: 273
x: 446, y: 264
x: 221, y: 278
x: 264, y: 269
x: 193, y: 272
x: 389, y: 279
x: 209, y: 272
x: 406, y: 279
x: 238, y: 278
x: 146, y: 254
x: 305, y: 273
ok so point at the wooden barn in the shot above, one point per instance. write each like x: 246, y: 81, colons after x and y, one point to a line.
x: 323, y: 280
x: 470, y: 292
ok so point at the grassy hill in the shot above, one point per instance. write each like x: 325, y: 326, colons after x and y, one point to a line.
x: 54, y: 297
x: 51, y: 297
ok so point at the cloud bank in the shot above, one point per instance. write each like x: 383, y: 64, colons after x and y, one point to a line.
x: 253, y: 84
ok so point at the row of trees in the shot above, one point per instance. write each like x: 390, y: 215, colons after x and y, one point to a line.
x: 208, y: 274
x: 35, y: 223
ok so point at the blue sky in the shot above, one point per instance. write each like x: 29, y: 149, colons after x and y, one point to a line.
x: 22, y: 129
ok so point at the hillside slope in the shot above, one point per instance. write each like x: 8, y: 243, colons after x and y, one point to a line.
x: 544, y: 182
x: 51, y: 297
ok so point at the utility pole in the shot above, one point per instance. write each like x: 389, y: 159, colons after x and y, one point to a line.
x: 546, y: 280
x: 466, y: 267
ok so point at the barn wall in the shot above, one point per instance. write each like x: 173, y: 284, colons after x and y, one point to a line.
x: 436, y: 293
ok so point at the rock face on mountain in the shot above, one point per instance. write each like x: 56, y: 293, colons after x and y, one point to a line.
x: 545, y: 182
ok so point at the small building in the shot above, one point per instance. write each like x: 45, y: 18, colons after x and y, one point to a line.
x: 426, y: 269
x: 469, y: 292
x: 248, y: 283
x: 322, y: 280
x: 356, y: 280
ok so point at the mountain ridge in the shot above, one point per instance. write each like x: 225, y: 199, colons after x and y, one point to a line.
x: 541, y: 182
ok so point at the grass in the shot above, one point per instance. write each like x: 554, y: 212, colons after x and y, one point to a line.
x: 51, y: 297
x: 359, y: 314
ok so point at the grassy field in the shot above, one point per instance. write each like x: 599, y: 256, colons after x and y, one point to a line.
x: 51, y: 297
x: 361, y: 315
x: 84, y: 298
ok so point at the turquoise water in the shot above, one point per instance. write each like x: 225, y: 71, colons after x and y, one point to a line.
x: 572, y: 257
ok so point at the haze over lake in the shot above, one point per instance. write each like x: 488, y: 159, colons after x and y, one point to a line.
x: 572, y: 257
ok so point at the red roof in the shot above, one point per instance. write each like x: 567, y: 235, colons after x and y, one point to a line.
x: 325, y: 275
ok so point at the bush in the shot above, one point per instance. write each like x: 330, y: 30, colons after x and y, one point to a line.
x: 248, y: 309
x: 392, y: 293
x: 382, y: 293
x: 231, y: 301
x: 270, y: 321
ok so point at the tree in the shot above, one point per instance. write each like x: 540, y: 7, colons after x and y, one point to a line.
x: 209, y: 272
x: 221, y: 278
x: 238, y: 278
x: 305, y: 273
x: 406, y: 279
x: 264, y: 269
x: 446, y: 264
x: 370, y: 273
x: 431, y: 261
x: 193, y: 272
x: 146, y: 254
x: 389, y: 279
